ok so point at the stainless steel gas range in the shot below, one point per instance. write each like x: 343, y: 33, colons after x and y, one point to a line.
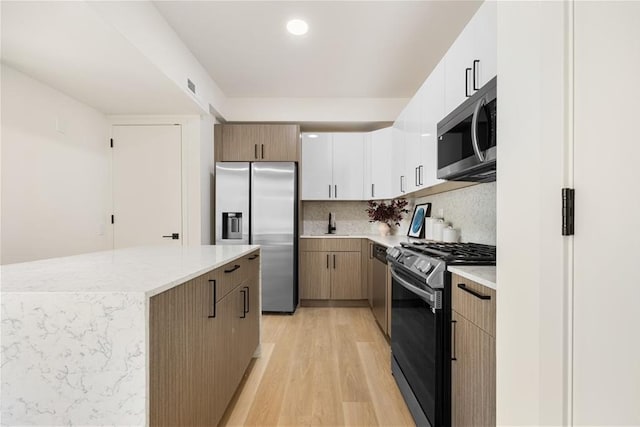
x: 421, y: 322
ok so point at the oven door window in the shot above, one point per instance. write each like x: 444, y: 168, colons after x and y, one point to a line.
x: 414, y: 339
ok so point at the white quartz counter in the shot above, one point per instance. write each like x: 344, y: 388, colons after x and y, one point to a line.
x: 75, y: 343
x: 150, y: 270
x: 482, y: 274
x: 387, y: 241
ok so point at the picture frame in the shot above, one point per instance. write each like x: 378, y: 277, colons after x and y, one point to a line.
x: 416, y: 227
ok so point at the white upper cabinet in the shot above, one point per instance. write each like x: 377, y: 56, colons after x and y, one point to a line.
x: 432, y: 99
x: 398, y: 160
x: 379, y: 150
x: 348, y: 166
x: 471, y: 60
x: 317, y: 166
x: 413, y: 146
x: 332, y: 166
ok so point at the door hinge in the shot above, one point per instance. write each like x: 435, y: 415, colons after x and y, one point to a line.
x: 112, y: 219
x: 111, y: 142
x: 568, y: 211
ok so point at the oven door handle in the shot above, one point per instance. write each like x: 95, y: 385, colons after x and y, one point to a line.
x: 429, y: 298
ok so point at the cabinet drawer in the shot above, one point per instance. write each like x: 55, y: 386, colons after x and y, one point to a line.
x: 475, y: 302
x: 252, y: 263
x: 229, y: 276
x: 330, y: 245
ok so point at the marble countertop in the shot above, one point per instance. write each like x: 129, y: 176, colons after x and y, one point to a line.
x: 482, y: 274
x: 149, y: 270
x: 387, y: 241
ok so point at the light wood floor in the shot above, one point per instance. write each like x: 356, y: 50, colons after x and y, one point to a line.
x: 321, y: 366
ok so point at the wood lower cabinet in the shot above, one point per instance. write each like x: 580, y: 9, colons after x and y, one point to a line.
x: 473, y: 353
x: 315, y: 275
x: 331, y: 269
x: 201, y: 343
x: 258, y: 142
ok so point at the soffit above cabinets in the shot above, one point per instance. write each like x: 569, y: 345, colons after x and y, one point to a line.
x: 68, y: 46
x: 373, y: 49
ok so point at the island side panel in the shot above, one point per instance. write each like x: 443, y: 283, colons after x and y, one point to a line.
x: 73, y: 359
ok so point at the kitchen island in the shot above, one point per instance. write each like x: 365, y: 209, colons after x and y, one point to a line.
x: 76, y: 330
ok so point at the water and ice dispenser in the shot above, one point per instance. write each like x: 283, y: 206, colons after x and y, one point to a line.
x: 232, y: 225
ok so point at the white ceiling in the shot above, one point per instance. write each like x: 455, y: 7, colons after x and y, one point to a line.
x: 69, y: 47
x: 370, y: 49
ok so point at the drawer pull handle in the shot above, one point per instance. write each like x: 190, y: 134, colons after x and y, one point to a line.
x: 213, y: 283
x: 244, y: 304
x: 453, y: 340
x: 231, y: 270
x: 253, y: 257
x: 472, y: 292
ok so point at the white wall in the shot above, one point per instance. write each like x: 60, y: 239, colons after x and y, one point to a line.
x: 207, y: 171
x: 55, y: 186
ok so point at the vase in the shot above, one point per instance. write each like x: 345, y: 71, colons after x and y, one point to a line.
x: 384, y: 229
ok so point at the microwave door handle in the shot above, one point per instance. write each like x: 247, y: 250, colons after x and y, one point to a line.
x: 474, y: 131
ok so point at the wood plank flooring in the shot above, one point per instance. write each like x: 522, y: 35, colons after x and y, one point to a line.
x: 320, y: 367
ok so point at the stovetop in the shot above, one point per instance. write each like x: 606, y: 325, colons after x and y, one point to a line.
x: 455, y: 253
x: 425, y: 262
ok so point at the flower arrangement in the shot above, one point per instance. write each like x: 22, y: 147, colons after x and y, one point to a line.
x: 387, y: 213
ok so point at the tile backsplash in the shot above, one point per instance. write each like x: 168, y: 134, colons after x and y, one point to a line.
x: 472, y: 210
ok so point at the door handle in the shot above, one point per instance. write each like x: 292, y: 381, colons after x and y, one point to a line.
x: 173, y: 236
x: 327, y: 260
x: 421, y: 174
x: 248, y: 300
x: 334, y: 261
x: 244, y: 304
x: 466, y: 82
x: 262, y: 151
x: 329, y: 190
x: 373, y: 190
x: 335, y: 192
x: 453, y: 339
x: 234, y: 268
x: 417, y: 176
x: 255, y: 151
x: 213, y: 285
x: 475, y: 72
x: 370, y: 250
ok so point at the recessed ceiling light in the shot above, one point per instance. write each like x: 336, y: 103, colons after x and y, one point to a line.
x: 297, y: 27
x: 426, y: 134
x: 312, y: 135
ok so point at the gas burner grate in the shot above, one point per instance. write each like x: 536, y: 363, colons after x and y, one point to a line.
x: 456, y: 253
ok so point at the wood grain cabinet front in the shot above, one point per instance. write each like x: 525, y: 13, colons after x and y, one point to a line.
x: 473, y: 354
x: 259, y: 143
x: 201, y: 343
x: 334, y: 274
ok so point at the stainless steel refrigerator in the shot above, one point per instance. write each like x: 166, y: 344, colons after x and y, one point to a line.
x: 256, y: 203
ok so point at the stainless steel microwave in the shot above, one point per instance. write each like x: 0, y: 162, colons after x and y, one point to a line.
x: 467, y: 138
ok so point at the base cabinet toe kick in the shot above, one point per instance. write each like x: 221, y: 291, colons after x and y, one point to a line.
x: 203, y: 335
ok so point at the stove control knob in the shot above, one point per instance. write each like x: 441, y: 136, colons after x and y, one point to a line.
x: 393, y: 252
x: 424, y: 266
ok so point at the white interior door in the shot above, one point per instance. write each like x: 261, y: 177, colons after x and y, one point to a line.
x: 147, y: 185
x: 606, y: 362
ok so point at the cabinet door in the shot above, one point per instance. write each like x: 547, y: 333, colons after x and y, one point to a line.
x: 432, y: 107
x: 278, y: 143
x: 381, y: 173
x: 224, y: 339
x: 317, y: 166
x: 484, y: 27
x: 458, y: 84
x: 398, y: 161
x: 413, y: 144
x: 315, y: 275
x: 473, y: 374
x: 348, y: 166
x: 345, y: 276
x: 240, y: 143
